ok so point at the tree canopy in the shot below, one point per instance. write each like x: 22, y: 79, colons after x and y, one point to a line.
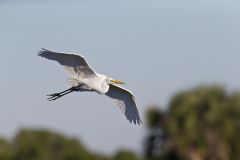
x: 200, y: 124
x: 38, y: 144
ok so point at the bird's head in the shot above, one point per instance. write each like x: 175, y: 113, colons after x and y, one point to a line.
x: 113, y: 81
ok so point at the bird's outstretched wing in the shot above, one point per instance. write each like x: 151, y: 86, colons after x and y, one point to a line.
x: 75, y: 65
x: 126, y: 102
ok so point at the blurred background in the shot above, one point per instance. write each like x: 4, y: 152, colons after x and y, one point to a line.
x: 179, y: 58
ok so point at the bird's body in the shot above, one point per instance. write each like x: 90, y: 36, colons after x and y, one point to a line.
x: 95, y: 83
x: 84, y: 78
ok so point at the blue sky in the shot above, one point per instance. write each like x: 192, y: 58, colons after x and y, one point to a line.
x: 157, y: 47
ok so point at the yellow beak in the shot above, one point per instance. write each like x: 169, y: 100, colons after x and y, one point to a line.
x: 117, y: 82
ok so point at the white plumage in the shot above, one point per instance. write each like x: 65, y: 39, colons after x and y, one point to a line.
x: 84, y: 78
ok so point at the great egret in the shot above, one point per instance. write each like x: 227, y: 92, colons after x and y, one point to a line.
x: 84, y: 78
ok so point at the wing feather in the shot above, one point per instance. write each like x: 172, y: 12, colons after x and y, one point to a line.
x: 126, y: 102
x: 75, y: 65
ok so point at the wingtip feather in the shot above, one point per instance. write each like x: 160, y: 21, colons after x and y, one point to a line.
x: 41, y: 52
x: 136, y: 121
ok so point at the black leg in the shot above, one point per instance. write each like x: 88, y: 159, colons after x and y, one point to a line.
x: 55, y: 96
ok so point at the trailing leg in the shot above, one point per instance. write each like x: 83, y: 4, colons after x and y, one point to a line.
x: 55, y: 96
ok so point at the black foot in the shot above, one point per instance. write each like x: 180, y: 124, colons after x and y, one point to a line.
x: 54, y: 96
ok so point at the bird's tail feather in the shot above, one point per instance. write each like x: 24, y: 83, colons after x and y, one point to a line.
x: 72, y: 82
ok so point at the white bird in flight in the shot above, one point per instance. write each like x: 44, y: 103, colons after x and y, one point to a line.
x: 84, y: 78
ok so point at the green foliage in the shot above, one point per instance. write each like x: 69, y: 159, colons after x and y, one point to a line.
x: 203, y: 123
x: 5, y: 150
x: 154, y: 117
x: 125, y: 155
x: 38, y: 145
x: 45, y: 145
